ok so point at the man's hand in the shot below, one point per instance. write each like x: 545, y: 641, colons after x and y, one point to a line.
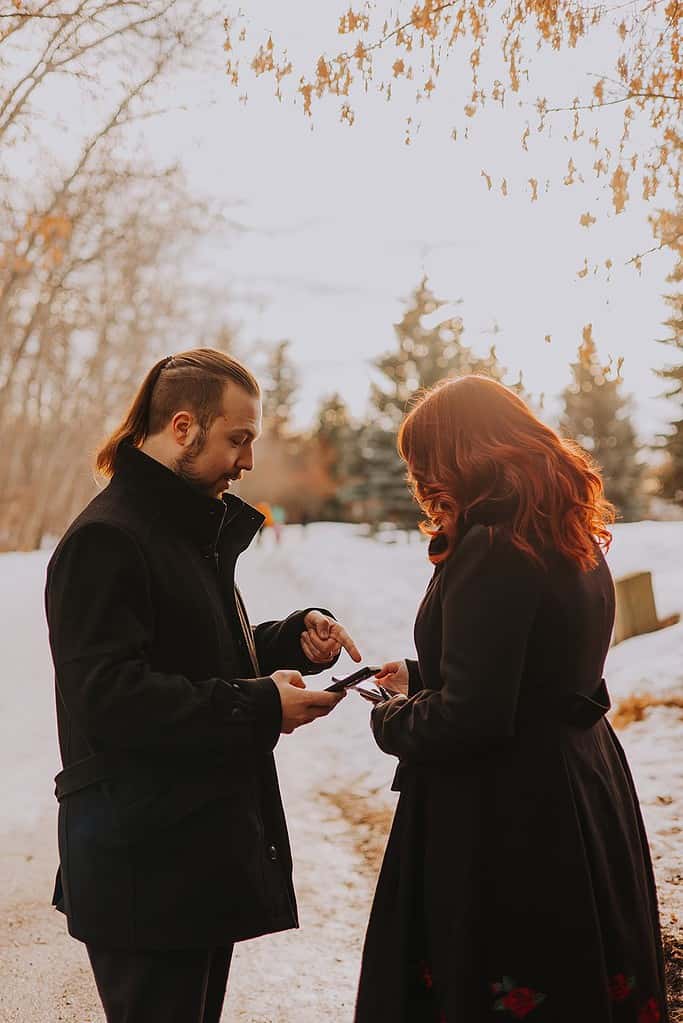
x: 300, y: 706
x: 394, y: 676
x: 324, y: 638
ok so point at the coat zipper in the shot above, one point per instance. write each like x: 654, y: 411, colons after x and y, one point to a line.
x: 248, y: 637
x: 247, y: 634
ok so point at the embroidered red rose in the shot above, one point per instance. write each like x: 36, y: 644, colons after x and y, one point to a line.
x: 620, y: 987
x: 426, y: 975
x: 649, y: 1012
x: 520, y: 1001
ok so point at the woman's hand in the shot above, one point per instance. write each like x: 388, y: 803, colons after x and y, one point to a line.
x: 394, y: 677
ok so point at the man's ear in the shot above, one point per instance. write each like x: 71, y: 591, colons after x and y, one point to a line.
x: 181, y: 424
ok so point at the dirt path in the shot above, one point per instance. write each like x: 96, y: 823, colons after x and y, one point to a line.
x: 44, y: 975
x: 302, y: 976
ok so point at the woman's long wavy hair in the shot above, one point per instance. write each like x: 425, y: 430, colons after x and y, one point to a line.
x: 473, y: 440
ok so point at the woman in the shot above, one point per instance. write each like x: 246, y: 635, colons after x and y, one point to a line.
x: 517, y: 882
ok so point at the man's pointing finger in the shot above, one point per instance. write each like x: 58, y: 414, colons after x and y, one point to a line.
x: 343, y: 638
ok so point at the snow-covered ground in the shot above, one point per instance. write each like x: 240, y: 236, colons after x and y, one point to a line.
x: 335, y: 781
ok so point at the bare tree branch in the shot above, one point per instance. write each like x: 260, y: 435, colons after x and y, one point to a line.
x: 614, y: 102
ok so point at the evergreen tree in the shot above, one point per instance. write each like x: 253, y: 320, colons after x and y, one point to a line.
x: 337, y: 440
x: 671, y: 480
x: 333, y: 426
x: 427, y: 351
x: 279, y: 392
x: 597, y: 416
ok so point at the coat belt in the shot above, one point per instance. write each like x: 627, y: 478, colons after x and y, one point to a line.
x: 569, y: 708
x: 96, y: 768
x: 106, y: 766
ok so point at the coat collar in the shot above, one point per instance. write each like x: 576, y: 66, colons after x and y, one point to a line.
x: 490, y: 512
x: 207, y: 520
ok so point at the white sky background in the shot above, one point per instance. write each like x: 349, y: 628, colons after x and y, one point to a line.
x: 343, y: 221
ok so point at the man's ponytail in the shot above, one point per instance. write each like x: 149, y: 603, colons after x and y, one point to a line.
x: 135, y: 427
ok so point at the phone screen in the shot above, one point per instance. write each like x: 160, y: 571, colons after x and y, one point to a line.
x: 339, y: 684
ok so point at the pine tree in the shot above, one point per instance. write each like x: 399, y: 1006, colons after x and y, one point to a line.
x: 425, y: 353
x: 279, y: 392
x: 671, y: 479
x: 333, y: 426
x: 337, y: 440
x: 597, y: 415
x: 427, y: 350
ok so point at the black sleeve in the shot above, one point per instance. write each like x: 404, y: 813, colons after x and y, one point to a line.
x: 489, y: 593
x: 415, y: 682
x: 101, y: 623
x: 278, y: 645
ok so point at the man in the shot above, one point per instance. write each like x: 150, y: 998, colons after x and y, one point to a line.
x: 172, y: 837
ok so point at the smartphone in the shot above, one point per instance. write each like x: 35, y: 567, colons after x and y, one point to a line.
x: 378, y: 695
x: 339, y: 684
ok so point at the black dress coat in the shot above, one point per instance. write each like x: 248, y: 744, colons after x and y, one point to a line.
x: 171, y: 827
x: 517, y: 881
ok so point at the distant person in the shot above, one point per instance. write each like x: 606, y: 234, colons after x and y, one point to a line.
x: 264, y: 508
x: 517, y: 881
x: 279, y: 519
x: 172, y: 835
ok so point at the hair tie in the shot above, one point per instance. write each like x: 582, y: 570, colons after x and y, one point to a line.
x: 169, y: 363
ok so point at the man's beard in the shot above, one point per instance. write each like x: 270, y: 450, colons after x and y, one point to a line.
x: 184, y: 467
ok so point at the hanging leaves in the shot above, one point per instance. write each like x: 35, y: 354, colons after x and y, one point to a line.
x: 351, y: 22
x: 619, y: 190
x: 587, y: 347
x: 642, y: 77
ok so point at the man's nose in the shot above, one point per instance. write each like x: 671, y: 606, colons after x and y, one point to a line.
x: 246, y: 461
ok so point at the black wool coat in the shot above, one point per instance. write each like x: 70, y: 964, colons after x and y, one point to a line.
x: 171, y: 826
x: 517, y: 882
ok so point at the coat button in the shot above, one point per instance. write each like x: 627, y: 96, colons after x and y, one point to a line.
x: 272, y: 852
x: 236, y: 712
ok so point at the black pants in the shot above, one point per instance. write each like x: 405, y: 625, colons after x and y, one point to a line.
x: 161, y: 986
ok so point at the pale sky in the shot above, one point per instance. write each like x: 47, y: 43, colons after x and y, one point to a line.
x: 343, y: 221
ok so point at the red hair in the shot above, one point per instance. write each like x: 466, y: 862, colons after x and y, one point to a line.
x: 473, y: 440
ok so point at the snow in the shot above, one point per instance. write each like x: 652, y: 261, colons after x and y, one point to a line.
x: 29, y: 753
x: 335, y: 781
